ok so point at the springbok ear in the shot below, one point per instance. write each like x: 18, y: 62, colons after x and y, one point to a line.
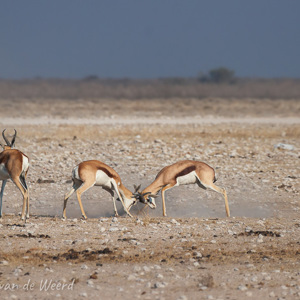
x: 153, y: 196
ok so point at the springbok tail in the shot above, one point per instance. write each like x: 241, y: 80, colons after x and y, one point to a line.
x: 23, y: 182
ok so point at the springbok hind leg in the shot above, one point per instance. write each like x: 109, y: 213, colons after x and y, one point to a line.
x: 1, y: 196
x: 67, y: 196
x: 223, y: 192
x: 24, y: 192
x: 84, y: 187
x: 76, y: 185
x: 24, y: 184
x: 27, y: 205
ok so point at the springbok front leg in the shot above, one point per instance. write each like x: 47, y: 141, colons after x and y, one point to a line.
x: 113, y: 200
x: 67, y: 196
x: 223, y: 192
x: 163, y: 190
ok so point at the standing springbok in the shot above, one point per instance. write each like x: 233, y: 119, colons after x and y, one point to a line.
x: 180, y: 173
x: 93, y: 172
x: 14, y: 165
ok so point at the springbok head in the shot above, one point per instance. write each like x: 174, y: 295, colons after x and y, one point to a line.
x: 146, y: 198
x: 9, y: 144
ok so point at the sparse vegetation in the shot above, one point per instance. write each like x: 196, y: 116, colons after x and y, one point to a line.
x: 219, y: 75
x: 95, y: 88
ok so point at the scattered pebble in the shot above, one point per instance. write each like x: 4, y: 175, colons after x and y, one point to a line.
x: 160, y: 285
x: 242, y: 288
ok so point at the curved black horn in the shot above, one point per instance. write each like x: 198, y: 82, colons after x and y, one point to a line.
x: 5, y: 139
x: 139, y: 196
x: 13, y: 139
x: 146, y: 193
x: 136, y: 188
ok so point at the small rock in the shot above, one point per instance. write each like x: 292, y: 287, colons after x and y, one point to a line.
x: 284, y: 146
x: 114, y: 229
x: 182, y: 297
x: 131, y: 277
x: 197, y: 254
x: 90, y: 283
x: 260, y: 239
x: 84, y: 294
x: 160, y: 285
x: 173, y: 221
x: 146, y: 269
x: 268, y: 278
x: 84, y: 267
x: 94, y: 276
x: 272, y: 294
x: 242, y: 288
x: 137, y: 269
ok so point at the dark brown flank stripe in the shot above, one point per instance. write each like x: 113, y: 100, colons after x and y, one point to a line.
x: 98, y: 168
x: 106, y: 172
x: 186, y: 171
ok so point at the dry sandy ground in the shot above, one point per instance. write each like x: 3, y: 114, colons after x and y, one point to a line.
x: 194, y: 253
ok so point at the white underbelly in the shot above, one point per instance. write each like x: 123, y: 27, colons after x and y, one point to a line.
x: 190, y: 178
x: 103, y: 179
x: 3, y: 173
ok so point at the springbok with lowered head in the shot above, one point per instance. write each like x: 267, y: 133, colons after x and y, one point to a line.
x: 14, y: 165
x: 94, y: 172
x: 181, y: 173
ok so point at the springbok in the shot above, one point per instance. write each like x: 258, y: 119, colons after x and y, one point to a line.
x: 180, y: 173
x: 94, y: 172
x: 14, y: 165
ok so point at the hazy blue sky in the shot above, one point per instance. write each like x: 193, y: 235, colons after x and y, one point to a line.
x: 147, y: 39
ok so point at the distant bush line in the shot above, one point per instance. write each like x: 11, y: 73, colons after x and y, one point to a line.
x: 93, y: 88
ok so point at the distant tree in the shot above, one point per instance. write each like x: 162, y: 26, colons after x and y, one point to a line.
x: 91, y: 77
x: 219, y: 75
